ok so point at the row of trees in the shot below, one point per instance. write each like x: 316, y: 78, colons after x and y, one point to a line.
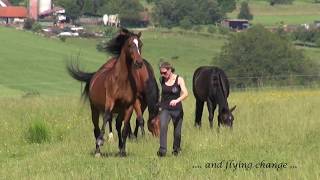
x: 127, y: 9
x: 170, y: 13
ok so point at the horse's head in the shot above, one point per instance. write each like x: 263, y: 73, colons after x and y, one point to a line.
x: 225, y: 117
x: 133, y: 48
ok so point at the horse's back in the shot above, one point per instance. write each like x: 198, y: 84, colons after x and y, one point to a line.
x: 206, y: 79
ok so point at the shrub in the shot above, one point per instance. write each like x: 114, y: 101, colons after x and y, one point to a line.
x: 197, y: 28
x: 211, y: 29
x: 186, y: 24
x: 36, y: 27
x: 38, y: 133
x: 63, y: 38
x: 28, y: 23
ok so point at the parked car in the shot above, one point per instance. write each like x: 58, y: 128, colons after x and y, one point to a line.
x: 69, y: 33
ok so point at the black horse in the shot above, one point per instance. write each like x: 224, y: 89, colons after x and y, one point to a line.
x: 211, y: 84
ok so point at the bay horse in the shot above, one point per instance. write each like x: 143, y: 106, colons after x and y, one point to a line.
x: 211, y: 85
x: 114, y: 89
x: 148, y: 98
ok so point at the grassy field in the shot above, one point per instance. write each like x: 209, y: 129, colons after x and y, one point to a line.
x: 277, y: 126
x: 272, y: 126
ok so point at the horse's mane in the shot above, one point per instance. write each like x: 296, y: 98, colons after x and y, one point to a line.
x: 114, y: 46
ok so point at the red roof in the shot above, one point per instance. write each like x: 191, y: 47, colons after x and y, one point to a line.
x: 13, y: 12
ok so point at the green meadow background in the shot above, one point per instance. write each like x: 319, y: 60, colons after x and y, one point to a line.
x: 272, y: 125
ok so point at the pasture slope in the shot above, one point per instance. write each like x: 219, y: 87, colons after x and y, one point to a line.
x: 300, y: 12
x: 279, y: 126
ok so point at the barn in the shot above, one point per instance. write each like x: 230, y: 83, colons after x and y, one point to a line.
x: 236, y: 24
x: 13, y: 13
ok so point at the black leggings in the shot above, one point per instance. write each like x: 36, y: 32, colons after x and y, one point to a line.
x: 177, y: 118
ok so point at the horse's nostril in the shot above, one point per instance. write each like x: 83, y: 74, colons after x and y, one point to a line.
x: 138, y: 64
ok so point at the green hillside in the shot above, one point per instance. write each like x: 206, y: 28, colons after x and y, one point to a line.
x: 300, y: 12
x: 30, y: 62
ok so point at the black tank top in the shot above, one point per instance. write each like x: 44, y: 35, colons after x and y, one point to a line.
x: 169, y: 93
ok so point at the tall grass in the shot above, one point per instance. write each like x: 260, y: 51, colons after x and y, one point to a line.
x: 271, y: 126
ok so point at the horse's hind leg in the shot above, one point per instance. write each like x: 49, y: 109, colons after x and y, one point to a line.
x: 211, y: 107
x: 126, y: 118
x: 95, y: 121
x: 118, y: 127
x: 106, y: 118
x: 199, y: 109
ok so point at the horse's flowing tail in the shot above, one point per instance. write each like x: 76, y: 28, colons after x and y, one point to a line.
x: 77, y: 74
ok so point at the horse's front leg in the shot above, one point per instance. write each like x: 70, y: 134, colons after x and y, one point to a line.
x: 139, y: 121
x: 126, y: 118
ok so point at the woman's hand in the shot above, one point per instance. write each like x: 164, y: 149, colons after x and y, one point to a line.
x: 174, y: 102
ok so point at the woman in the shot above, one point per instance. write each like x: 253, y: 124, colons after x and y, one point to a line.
x: 173, y: 93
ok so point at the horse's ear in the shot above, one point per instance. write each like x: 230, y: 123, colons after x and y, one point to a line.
x: 233, y: 108
x: 139, y: 34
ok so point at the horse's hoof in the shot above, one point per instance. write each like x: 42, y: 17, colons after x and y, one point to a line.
x: 100, y: 142
x: 122, y: 153
x: 197, y: 125
x: 97, y: 155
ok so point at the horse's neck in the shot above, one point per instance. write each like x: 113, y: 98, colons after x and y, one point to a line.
x: 141, y: 77
x: 122, y: 70
x: 223, y: 103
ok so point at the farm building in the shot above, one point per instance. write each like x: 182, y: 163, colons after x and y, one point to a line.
x: 11, y: 14
x: 36, y: 7
x: 236, y: 24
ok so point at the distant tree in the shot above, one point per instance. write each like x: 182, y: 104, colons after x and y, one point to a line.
x: 185, y: 23
x: 245, y: 11
x: 73, y: 8
x: 258, y: 53
x: 227, y: 5
x: 16, y: 2
x: 128, y: 10
x: 171, y: 12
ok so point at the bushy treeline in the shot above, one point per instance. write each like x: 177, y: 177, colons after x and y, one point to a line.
x: 127, y: 9
x: 303, y: 35
x: 258, y: 57
x: 168, y: 13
